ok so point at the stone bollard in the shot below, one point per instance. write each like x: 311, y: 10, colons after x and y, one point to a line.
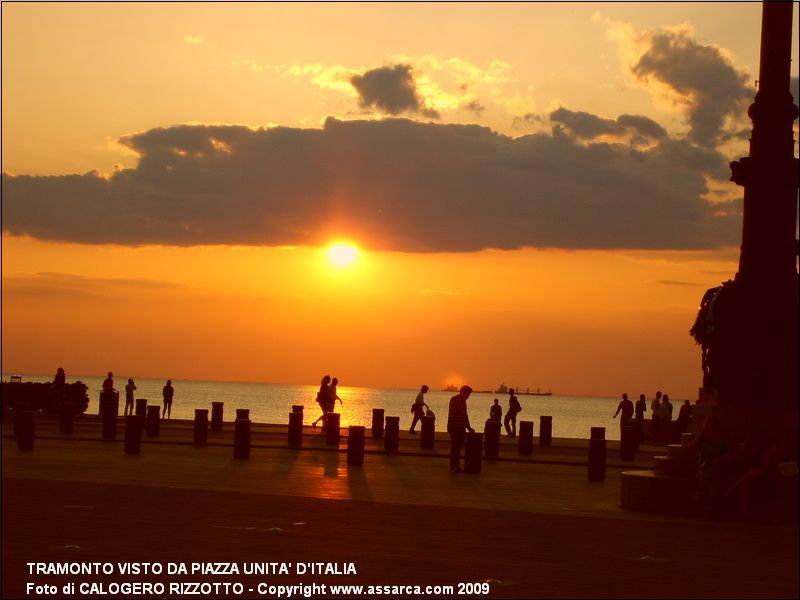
x: 133, y: 434
x: 153, y: 420
x: 472, y: 452
x: 25, y: 425
x: 428, y: 435
x: 639, y: 424
x: 491, y: 439
x: 627, y: 442
x: 243, y: 413
x: 109, y: 422
x: 377, y: 423
x: 65, y: 417
x: 141, y: 408
x: 18, y: 408
x: 216, y: 415
x: 545, y: 431
x: 597, y: 454
x: 241, y: 435
x: 200, y: 434
x: 295, y: 429
x: 355, y: 445
x: 332, y: 432
x: 526, y: 438
x: 109, y: 400
x: 391, y: 440
x: 297, y: 408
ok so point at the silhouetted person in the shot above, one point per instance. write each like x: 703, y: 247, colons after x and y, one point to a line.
x: 655, y: 415
x: 496, y: 411
x: 641, y: 407
x: 458, y: 425
x: 684, y: 416
x: 57, y: 387
x: 626, y: 407
x: 108, y: 382
x: 666, y: 410
x: 510, y: 421
x: 322, y: 398
x: 418, y: 408
x: 167, y: 392
x: 333, y: 396
x: 129, y: 388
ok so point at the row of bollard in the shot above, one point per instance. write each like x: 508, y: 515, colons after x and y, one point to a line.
x: 476, y: 445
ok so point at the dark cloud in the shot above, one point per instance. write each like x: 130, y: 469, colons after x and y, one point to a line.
x: 393, y: 184
x: 391, y: 90
x: 67, y: 284
x: 528, y: 118
x: 588, y: 126
x: 713, y: 87
x: 475, y: 107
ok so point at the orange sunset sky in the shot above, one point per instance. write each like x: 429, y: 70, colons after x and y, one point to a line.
x: 534, y: 194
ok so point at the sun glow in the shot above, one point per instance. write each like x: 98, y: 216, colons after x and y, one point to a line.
x: 342, y: 255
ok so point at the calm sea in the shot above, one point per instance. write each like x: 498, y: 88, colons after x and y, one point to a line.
x: 573, y: 416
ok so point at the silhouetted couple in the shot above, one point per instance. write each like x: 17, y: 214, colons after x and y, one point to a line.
x: 327, y: 397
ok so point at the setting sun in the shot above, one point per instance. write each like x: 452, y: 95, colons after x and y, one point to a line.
x: 342, y: 255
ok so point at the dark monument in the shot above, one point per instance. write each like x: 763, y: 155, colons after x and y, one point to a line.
x: 748, y: 327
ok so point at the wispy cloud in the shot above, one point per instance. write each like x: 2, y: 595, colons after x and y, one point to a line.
x: 194, y: 40
x: 249, y: 64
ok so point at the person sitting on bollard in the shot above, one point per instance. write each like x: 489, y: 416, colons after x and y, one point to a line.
x: 57, y: 387
x: 496, y: 411
x: 60, y: 378
x: 417, y: 408
x: 457, y: 425
x: 322, y: 398
x: 108, y: 382
x: 510, y: 421
x: 167, y: 392
x: 626, y: 406
x: 129, y: 387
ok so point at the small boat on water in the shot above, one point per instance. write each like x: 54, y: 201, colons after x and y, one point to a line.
x: 450, y: 388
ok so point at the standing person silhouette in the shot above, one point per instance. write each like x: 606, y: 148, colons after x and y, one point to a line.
x: 322, y: 398
x: 496, y: 411
x: 655, y: 416
x: 167, y: 392
x: 333, y: 396
x: 510, y: 421
x: 417, y: 408
x: 129, y: 388
x: 626, y: 407
x: 458, y: 425
x: 641, y: 407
